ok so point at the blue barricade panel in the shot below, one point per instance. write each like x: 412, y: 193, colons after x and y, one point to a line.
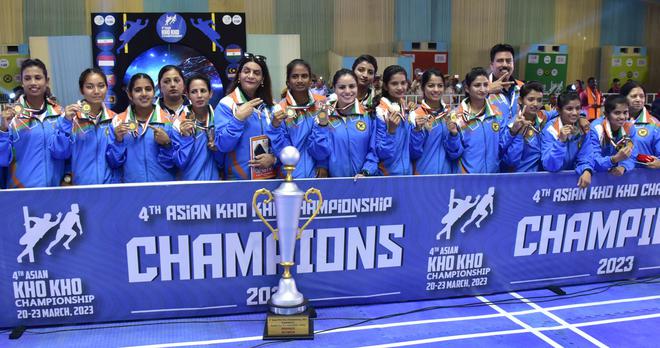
x: 94, y: 254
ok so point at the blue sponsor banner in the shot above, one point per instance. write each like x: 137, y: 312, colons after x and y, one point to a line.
x: 94, y: 254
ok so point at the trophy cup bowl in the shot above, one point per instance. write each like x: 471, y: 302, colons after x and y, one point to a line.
x: 289, y: 316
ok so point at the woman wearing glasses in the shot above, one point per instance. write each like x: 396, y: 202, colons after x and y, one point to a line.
x: 242, y: 118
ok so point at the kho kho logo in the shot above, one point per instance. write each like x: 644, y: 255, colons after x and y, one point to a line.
x: 171, y: 27
x: 37, y: 227
x: 459, y: 207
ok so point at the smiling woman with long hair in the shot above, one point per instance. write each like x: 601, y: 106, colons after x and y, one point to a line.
x: 26, y: 129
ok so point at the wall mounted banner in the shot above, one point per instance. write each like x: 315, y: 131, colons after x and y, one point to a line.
x: 124, y: 252
x: 128, y: 43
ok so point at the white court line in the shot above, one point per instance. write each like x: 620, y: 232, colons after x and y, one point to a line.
x: 645, y: 268
x: 600, y: 303
x: 358, y: 296
x: 200, y: 343
x: 447, y: 338
x: 543, y: 279
x: 618, y: 320
x: 180, y: 309
x: 531, y: 329
x: 511, y: 332
x: 316, y: 218
x: 561, y: 321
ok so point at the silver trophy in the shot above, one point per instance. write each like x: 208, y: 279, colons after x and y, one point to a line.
x: 289, y: 310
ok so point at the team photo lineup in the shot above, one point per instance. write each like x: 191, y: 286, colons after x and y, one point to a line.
x: 363, y: 123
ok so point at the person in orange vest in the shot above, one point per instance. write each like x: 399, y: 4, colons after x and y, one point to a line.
x: 592, y: 100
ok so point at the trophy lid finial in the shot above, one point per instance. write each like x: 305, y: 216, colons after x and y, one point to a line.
x: 290, y: 156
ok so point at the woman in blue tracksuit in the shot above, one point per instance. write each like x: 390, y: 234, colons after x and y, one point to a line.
x: 140, y: 137
x: 647, y: 127
x: 478, y: 133
x: 195, y: 152
x: 564, y: 145
x: 394, y: 123
x: 241, y: 120
x: 294, y: 117
x: 612, y: 138
x: 344, y: 136
x: 428, y: 138
x: 527, y: 158
x: 26, y: 132
x: 82, y: 133
x: 172, y: 94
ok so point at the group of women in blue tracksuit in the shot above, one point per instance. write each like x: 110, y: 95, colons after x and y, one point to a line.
x: 351, y: 133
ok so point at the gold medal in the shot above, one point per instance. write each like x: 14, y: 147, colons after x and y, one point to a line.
x: 18, y: 109
x: 132, y: 126
x: 290, y: 113
x: 86, y: 108
x: 530, y: 133
x: 623, y: 143
x: 322, y: 115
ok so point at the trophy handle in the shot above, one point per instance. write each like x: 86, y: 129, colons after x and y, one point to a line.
x: 258, y: 193
x: 316, y: 211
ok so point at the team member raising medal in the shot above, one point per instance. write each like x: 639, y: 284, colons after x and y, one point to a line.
x: 140, y: 137
x: 26, y: 130
x: 83, y: 132
x: 428, y: 138
x: 241, y: 119
x: 195, y: 152
x: 565, y: 145
x: 344, y: 135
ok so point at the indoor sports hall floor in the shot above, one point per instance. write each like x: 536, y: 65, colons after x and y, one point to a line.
x: 618, y: 314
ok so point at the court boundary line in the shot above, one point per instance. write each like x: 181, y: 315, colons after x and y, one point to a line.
x: 403, y: 343
x: 449, y: 319
x: 510, y: 332
x: 524, y: 325
x: 559, y: 320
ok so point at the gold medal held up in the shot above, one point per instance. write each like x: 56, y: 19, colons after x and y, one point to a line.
x: 18, y: 109
x: 290, y: 113
x: 623, y: 143
x: 86, y: 108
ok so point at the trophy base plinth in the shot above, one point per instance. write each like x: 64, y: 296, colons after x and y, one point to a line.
x: 296, y: 326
